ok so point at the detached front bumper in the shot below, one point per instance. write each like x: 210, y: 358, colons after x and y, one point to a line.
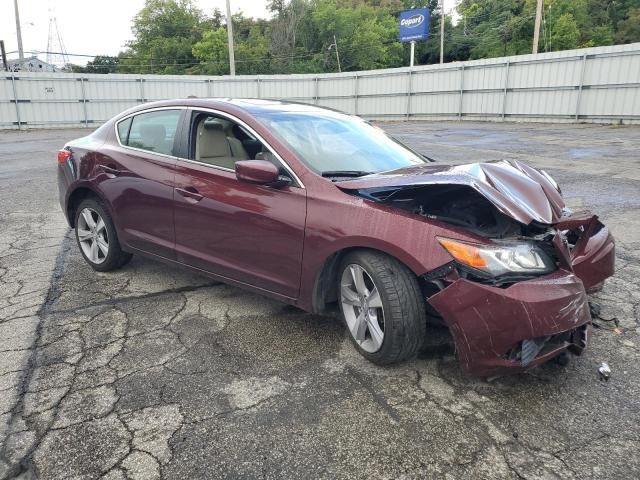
x: 507, y: 330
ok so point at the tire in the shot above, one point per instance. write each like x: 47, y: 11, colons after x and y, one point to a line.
x: 400, y: 306
x: 92, y: 238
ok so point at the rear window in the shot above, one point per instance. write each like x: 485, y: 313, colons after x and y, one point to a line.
x: 151, y: 131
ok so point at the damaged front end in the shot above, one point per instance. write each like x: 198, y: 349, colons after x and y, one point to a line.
x: 517, y: 297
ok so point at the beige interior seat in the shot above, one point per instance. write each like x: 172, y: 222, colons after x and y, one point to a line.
x: 154, y: 138
x: 237, y: 149
x: 212, y: 145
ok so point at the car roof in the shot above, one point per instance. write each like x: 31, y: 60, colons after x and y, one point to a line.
x: 249, y: 105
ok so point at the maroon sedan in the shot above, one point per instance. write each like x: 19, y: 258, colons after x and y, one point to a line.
x: 322, y: 210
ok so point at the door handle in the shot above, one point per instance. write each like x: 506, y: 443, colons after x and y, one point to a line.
x: 190, y: 193
x: 110, y: 171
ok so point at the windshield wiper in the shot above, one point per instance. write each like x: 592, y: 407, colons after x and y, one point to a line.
x: 345, y: 173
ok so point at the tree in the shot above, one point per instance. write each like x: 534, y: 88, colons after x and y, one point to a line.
x: 165, y: 32
x: 629, y: 28
x: 367, y: 38
x: 284, y: 28
x: 600, y: 35
x: 252, y: 54
x: 102, y: 64
x: 213, y: 52
x: 172, y: 36
x: 565, y: 34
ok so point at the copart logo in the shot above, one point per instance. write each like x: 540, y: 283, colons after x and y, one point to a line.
x: 412, y: 21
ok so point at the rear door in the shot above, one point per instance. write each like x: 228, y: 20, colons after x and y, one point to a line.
x: 137, y: 179
x: 249, y: 233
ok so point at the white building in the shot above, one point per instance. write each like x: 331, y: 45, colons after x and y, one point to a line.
x: 31, y: 64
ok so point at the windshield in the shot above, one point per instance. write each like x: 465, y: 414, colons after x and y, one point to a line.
x: 333, y: 143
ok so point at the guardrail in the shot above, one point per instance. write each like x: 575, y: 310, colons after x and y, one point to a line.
x: 589, y: 85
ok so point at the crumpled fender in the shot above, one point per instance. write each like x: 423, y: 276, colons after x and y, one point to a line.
x: 592, y: 258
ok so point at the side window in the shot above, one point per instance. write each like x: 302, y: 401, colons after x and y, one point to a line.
x: 222, y: 142
x: 152, y: 131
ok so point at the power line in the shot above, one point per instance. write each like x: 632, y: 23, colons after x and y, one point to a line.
x: 195, y: 62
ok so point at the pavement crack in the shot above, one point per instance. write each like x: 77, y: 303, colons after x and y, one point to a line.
x: 380, y: 400
x: 117, y: 300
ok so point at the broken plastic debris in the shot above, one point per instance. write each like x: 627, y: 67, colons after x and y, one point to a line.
x: 595, y: 310
x: 604, y: 371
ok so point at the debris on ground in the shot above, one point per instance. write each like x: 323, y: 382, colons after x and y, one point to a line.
x: 604, y: 371
x: 595, y: 310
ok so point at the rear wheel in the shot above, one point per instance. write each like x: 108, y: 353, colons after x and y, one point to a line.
x: 382, y: 306
x: 97, y: 238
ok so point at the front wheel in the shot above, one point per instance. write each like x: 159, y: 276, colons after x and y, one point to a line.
x: 382, y: 306
x: 97, y: 238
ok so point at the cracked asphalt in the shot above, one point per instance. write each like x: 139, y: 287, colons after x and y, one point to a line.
x: 153, y: 372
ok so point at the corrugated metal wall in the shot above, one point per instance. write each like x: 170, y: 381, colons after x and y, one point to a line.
x: 593, y: 85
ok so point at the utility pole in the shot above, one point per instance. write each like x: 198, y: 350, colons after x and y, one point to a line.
x: 413, y: 52
x: 442, y: 33
x: 4, y: 56
x: 19, y: 33
x: 335, y: 45
x: 232, y: 60
x: 536, y: 29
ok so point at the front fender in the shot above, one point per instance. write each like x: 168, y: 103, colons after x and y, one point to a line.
x: 344, y: 222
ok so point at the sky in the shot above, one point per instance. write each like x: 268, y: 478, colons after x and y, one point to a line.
x: 94, y: 27
x: 91, y: 27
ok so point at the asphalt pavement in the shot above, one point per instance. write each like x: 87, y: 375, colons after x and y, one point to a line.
x: 154, y: 372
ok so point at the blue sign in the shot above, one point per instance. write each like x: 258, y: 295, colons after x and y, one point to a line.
x: 414, y: 24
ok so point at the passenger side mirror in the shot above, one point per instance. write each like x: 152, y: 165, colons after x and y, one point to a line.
x: 260, y: 172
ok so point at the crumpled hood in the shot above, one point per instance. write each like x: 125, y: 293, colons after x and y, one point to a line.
x: 517, y: 190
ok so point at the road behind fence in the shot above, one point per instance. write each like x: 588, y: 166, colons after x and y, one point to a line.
x: 599, y: 84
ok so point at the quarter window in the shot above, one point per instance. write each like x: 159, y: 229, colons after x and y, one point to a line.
x: 123, y: 130
x: 152, y: 131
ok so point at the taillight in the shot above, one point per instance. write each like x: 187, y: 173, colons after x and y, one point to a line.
x: 63, y: 155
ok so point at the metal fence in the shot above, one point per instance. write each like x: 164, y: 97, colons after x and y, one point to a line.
x: 589, y: 85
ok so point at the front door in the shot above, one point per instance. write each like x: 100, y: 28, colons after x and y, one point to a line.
x: 248, y: 233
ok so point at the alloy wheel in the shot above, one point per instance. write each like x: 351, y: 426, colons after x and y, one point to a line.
x: 92, y: 236
x: 362, y: 307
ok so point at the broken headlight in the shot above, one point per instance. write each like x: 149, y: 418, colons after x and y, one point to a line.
x: 502, y: 258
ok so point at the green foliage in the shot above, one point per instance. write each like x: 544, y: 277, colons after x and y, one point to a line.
x: 367, y: 36
x: 566, y: 34
x: 165, y: 32
x: 629, y: 28
x: 212, y: 52
x: 173, y: 36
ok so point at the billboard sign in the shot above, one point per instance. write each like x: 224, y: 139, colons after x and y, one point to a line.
x: 414, y: 24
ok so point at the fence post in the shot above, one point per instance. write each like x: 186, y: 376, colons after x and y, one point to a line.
x: 355, y: 94
x: 15, y: 99
x: 258, y: 85
x: 584, y: 63
x: 210, y: 89
x: 316, y: 93
x: 409, y: 90
x: 84, y: 102
x: 207, y: 83
x: 141, y: 80
x: 506, y: 86
x: 461, y: 92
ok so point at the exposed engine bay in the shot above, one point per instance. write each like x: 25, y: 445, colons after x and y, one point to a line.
x: 454, y: 204
x: 463, y: 206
